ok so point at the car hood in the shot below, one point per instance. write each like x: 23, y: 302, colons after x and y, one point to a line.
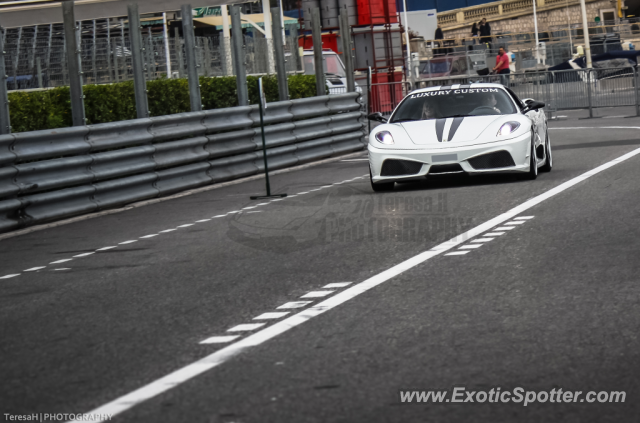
x: 455, y: 130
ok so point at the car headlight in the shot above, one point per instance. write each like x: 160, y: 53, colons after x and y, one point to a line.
x: 384, y: 137
x: 508, y: 128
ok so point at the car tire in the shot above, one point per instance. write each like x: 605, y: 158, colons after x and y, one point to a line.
x: 381, y: 186
x: 533, y: 162
x: 548, y: 164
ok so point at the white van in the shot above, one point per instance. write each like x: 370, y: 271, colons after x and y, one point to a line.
x: 334, y: 71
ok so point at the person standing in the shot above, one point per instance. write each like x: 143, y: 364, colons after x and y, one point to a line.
x: 502, y: 66
x: 438, y: 37
x: 485, y: 32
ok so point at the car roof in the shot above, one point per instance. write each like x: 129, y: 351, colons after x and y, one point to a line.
x: 457, y: 86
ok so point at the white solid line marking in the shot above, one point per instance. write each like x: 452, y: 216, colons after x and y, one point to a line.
x: 494, y: 234
x: 274, y: 315
x: 483, y: 239
x: 470, y: 246
x: 186, y: 225
x: 294, y: 304
x: 219, y: 357
x: 63, y: 268
x: 523, y: 218
x: 219, y: 339
x: 167, y: 230
x: 504, y: 228
x: 255, y: 211
x: 203, y: 220
x: 251, y: 207
x: 232, y: 212
x: 149, y: 236
x: 517, y: 222
x: 10, y: 276
x: 245, y: 327
x: 60, y: 261
x: 300, y: 193
x: 128, y: 242
x: 317, y: 189
x: 317, y: 294
x: 263, y: 204
x: 291, y: 196
x: 336, y: 285
x: 107, y: 248
x: 277, y: 199
x: 326, y: 186
x: 33, y: 269
x: 220, y: 215
x: 85, y: 254
x: 457, y: 253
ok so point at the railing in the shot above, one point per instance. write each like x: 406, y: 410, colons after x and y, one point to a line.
x: 448, y: 18
x: 517, y: 5
x: 481, y: 12
x: 54, y: 174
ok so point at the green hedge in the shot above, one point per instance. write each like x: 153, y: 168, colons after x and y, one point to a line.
x: 31, y: 111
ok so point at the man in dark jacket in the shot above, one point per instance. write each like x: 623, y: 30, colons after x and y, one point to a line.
x: 439, y: 36
x: 485, y: 32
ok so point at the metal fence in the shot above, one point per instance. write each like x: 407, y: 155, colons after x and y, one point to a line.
x: 53, y: 174
x: 563, y: 90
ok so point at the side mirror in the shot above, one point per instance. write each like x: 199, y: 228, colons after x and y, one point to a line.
x: 377, y: 117
x: 533, y: 105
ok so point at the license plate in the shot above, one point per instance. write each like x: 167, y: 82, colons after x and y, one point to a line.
x: 444, y: 158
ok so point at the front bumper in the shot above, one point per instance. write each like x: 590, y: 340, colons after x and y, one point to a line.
x: 519, y: 149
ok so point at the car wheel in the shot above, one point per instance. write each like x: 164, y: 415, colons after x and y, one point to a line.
x: 548, y: 164
x: 533, y: 162
x: 380, y: 186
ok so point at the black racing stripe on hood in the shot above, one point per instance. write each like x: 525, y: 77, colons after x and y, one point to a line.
x: 440, y: 128
x: 454, y: 127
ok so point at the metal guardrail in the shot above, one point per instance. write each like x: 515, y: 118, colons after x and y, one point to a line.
x: 563, y: 90
x: 54, y: 174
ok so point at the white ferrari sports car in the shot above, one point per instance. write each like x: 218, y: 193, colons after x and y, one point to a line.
x: 473, y: 129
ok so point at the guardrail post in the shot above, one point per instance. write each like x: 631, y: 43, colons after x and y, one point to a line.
x: 5, y: 121
x: 316, y: 34
x: 278, y: 43
x: 73, y: 64
x: 239, y: 61
x: 195, y: 98
x: 345, y: 34
x: 589, y: 91
x: 139, y: 83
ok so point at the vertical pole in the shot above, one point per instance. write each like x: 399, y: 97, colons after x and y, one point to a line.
x: 227, y: 65
x: 165, y: 35
x: 73, y: 63
x: 33, y: 49
x: 139, y: 83
x: 5, y: 121
x: 535, y: 26
x: 588, y: 71
x: 17, y: 61
x: 122, y: 50
x: 93, y: 55
x: 192, y: 67
x: 178, y: 46
x: 239, y: 64
x: 39, y: 72
x: 585, y: 30
x: 281, y: 71
x: 268, y: 34
x: 151, y: 60
x: 369, y: 96
x: 115, y: 64
x: 316, y: 33
x: 345, y: 34
x: 635, y: 89
x: 110, y: 79
x: 65, y: 69
x: 406, y: 36
x: 206, y: 44
x: 48, y: 61
x: 264, y: 141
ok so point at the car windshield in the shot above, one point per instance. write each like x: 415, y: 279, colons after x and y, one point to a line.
x: 332, y: 65
x: 438, y: 66
x: 440, y: 104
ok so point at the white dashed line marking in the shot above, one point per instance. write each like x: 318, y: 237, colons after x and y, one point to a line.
x: 471, y: 246
x: 167, y: 230
x: 524, y: 218
x: 263, y: 204
x: 273, y: 315
x: 255, y: 211
x: 203, y: 220
x: 517, y: 222
x: 220, y: 215
x: 186, y: 225
x: 106, y: 248
x: 245, y: 327
x: 250, y: 207
x: 504, y: 228
x: 336, y: 285
x: 60, y: 261
x: 63, y: 268
x: 317, y: 294
x: 148, y: 236
x: 33, y: 269
x: 294, y: 304
x: 277, y: 199
x: 232, y: 212
x: 131, y: 241
x: 219, y: 339
x: 483, y: 239
x: 85, y: 254
x: 9, y: 276
x: 457, y: 253
x: 494, y: 234
x: 300, y: 193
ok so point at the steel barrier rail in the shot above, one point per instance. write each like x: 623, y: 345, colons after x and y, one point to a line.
x: 53, y: 174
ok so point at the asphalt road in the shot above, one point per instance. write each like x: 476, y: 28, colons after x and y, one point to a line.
x: 552, y: 303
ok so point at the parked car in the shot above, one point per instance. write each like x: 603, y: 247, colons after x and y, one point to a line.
x: 334, y: 70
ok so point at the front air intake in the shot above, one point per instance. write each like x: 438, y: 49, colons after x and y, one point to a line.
x: 445, y: 168
x: 493, y: 160
x: 393, y: 167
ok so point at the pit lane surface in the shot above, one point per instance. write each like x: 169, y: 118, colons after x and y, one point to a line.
x: 548, y: 304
